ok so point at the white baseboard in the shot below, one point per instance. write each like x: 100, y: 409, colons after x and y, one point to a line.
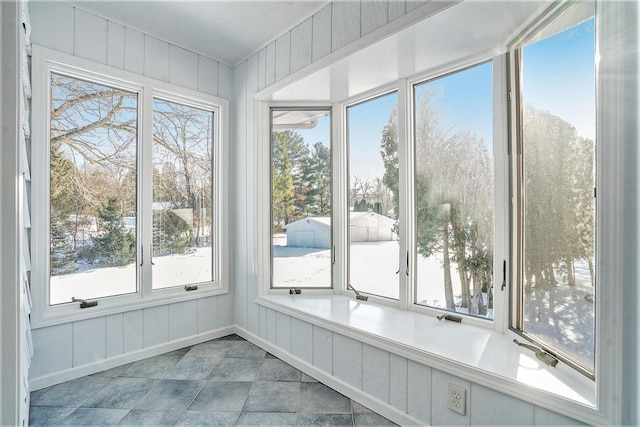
x: 376, y: 405
x: 123, y: 359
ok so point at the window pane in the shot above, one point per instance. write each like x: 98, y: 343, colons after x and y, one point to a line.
x: 93, y: 231
x: 373, y: 192
x: 182, y: 194
x: 301, y: 198
x: 558, y: 205
x: 454, y: 188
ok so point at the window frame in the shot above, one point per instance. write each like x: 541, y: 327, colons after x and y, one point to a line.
x: 44, y: 62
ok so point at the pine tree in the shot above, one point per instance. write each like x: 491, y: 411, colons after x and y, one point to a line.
x: 63, y: 256
x: 115, y: 246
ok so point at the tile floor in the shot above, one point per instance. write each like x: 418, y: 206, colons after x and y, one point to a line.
x: 223, y: 382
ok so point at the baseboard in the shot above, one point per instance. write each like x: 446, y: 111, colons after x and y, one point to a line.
x: 376, y: 405
x: 123, y: 359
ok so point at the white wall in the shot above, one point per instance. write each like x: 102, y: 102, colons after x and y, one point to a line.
x: 72, y: 349
x: 383, y: 377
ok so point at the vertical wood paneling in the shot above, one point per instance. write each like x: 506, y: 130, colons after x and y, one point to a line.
x: 52, y: 350
x: 156, y: 58
x: 323, y: 349
x: 272, y: 327
x: 398, y: 382
x: 283, y: 56
x: 225, y: 310
x: 183, y: 319
x: 544, y: 417
x: 489, y: 407
x: 322, y: 33
x: 374, y: 15
x: 375, y: 372
x: 207, y: 314
x: 134, y: 325
x: 262, y: 68
x: 345, y: 23
x: 156, y: 325
x: 263, y: 323
x: 270, y: 64
x: 89, y: 341
x: 440, y: 412
x: 133, y: 51
x: 90, y: 37
x: 302, y: 340
x: 115, y: 334
x: 225, y: 81
x: 347, y: 360
x: 115, y: 45
x: 283, y: 337
x: 419, y: 391
x: 183, y: 67
x: 301, y: 43
x: 207, y: 75
x: 52, y: 25
x: 395, y: 9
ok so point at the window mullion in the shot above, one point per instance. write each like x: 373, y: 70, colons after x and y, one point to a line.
x: 340, y: 196
x: 407, y: 256
x: 145, y: 193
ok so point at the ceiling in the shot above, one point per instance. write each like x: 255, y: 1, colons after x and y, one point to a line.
x: 226, y: 30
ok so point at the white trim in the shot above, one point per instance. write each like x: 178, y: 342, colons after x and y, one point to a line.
x: 45, y: 61
x: 123, y: 359
x: 376, y: 405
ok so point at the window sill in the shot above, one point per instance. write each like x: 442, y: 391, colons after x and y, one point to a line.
x: 480, y: 355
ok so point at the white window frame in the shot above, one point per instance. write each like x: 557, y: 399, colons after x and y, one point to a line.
x: 44, y: 62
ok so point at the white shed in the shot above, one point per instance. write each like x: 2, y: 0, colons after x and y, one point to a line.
x: 315, y: 232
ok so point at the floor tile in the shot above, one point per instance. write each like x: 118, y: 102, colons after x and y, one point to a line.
x: 358, y: 408
x: 153, y: 367
x: 179, y: 352
x: 151, y: 418
x: 198, y: 418
x: 317, y: 398
x: 246, y: 349
x: 345, y: 420
x: 232, y: 337
x: 113, y: 372
x: 45, y: 416
x: 307, y: 379
x: 273, y: 396
x: 236, y: 369
x: 277, y: 370
x: 171, y: 394
x: 72, y: 393
x: 193, y: 368
x: 221, y: 396
x: 250, y: 419
x: 121, y: 393
x: 269, y: 356
x: 214, y: 348
x: 94, y: 417
x: 371, y: 419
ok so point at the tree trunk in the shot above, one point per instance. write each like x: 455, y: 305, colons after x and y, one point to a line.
x: 591, y: 271
x: 448, y: 286
x: 571, y: 275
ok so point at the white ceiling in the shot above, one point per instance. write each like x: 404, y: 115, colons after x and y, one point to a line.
x: 225, y: 30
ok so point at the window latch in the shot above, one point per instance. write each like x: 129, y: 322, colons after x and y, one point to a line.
x: 450, y: 317
x: 358, y: 294
x: 190, y: 287
x: 84, y: 303
x: 294, y: 291
x: 542, y: 355
x: 504, y: 275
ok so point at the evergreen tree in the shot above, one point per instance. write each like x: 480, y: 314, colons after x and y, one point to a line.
x: 63, y: 256
x: 115, y: 246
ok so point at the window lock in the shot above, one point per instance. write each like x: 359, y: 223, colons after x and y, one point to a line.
x: 84, y: 303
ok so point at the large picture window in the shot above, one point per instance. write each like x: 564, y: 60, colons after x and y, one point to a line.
x: 555, y: 301
x: 127, y: 180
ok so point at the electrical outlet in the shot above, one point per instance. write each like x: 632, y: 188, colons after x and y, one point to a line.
x: 457, y: 398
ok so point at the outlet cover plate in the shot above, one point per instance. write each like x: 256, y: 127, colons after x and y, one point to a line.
x: 457, y: 398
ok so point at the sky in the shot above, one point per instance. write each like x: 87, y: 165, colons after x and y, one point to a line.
x: 558, y: 76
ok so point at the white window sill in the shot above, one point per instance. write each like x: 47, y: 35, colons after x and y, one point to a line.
x: 474, y: 353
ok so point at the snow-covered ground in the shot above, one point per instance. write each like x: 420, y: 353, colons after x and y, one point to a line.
x: 93, y: 282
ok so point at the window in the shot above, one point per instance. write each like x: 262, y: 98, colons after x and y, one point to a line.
x: 454, y: 192
x: 129, y: 172
x: 373, y: 196
x: 301, y: 198
x: 556, y: 170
